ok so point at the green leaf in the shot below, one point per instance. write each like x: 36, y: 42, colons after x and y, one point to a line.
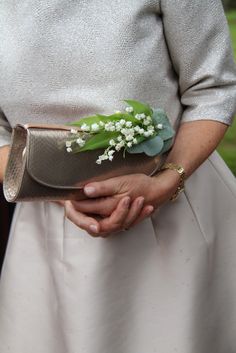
x: 89, y: 120
x: 125, y: 116
x: 139, y: 107
x: 100, y: 140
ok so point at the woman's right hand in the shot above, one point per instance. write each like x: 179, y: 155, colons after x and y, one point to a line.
x: 102, y: 216
x: 96, y: 225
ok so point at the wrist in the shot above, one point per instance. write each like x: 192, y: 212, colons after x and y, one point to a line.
x: 181, y: 172
x: 174, y: 177
x: 164, y: 185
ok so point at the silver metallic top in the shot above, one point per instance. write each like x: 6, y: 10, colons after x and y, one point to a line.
x: 61, y: 60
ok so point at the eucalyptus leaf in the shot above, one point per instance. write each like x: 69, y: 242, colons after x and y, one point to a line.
x: 137, y: 148
x: 139, y: 107
x: 166, y: 133
x: 159, y: 116
x: 151, y: 147
x: 140, y: 138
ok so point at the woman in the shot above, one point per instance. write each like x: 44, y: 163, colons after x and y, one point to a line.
x: 82, y: 284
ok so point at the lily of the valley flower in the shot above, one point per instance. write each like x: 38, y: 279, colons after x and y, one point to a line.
x: 85, y: 127
x: 112, y: 142
x: 110, y: 126
x: 131, y: 132
x: 80, y: 142
x: 129, y: 109
x: 95, y: 127
x: 140, y: 116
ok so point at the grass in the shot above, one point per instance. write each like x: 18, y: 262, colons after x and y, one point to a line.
x: 231, y: 16
x: 227, y: 147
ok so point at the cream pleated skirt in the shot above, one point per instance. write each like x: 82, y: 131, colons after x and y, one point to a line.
x: 167, y: 285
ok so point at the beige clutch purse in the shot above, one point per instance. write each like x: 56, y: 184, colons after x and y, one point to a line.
x: 39, y: 167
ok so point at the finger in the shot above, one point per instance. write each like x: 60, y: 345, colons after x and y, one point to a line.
x: 59, y: 202
x: 117, y: 218
x: 107, y: 187
x: 146, y: 212
x: 134, y: 211
x: 87, y: 223
x: 103, y: 206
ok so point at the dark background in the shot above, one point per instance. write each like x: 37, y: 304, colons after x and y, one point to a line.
x: 6, y: 212
x: 229, y: 4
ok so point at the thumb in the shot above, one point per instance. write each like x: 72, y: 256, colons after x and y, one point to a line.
x: 107, y: 187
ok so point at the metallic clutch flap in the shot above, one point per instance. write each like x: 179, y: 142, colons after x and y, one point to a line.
x: 40, y: 168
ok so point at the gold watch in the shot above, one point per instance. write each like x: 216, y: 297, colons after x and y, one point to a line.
x: 179, y: 169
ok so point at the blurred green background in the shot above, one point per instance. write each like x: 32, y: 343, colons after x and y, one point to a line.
x: 227, y: 147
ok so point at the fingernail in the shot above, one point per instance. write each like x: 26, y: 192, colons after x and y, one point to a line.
x: 89, y: 190
x: 93, y: 228
x: 150, y: 209
x: 126, y: 202
x: 140, y: 202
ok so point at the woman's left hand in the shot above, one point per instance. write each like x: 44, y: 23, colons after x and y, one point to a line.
x: 145, y: 193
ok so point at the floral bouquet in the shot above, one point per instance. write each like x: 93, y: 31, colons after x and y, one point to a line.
x: 138, y: 129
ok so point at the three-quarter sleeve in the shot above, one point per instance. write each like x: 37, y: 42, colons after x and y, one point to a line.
x: 5, y: 130
x: 199, y: 44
